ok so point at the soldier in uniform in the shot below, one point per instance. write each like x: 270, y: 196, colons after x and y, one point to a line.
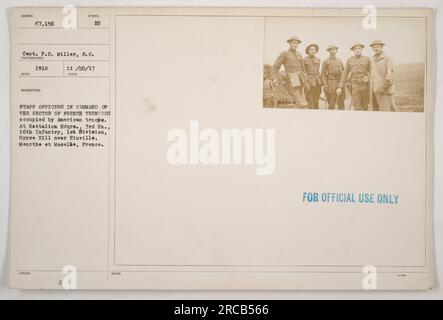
x: 313, y: 77
x: 292, y: 61
x: 382, y: 84
x: 332, y: 71
x: 267, y: 87
x: 357, y: 72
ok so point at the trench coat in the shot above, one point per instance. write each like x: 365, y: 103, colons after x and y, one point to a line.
x: 382, y: 83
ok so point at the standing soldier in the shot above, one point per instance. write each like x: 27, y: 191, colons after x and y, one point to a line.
x: 332, y: 71
x: 295, y: 73
x: 357, y: 71
x: 313, y: 77
x: 382, y: 85
x: 267, y: 87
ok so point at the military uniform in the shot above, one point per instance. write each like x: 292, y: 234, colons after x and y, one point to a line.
x: 295, y: 74
x: 267, y: 93
x: 382, y: 84
x: 357, y: 70
x: 332, y: 71
x: 314, y: 81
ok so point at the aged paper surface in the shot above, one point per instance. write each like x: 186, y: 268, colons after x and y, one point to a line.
x: 181, y: 148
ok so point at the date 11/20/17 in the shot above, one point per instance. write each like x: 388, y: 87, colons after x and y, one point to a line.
x: 79, y: 68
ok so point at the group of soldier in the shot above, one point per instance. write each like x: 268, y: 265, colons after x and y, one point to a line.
x: 370, y: 81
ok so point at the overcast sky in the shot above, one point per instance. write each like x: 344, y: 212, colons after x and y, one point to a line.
x: 405, y: 38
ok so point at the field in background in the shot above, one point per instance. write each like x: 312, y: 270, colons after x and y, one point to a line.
x: 410, y: 81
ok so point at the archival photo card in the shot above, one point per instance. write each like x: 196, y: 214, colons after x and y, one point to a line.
x: 209, y: 148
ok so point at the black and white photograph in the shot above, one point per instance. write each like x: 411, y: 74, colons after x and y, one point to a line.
x: 345, y: 63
